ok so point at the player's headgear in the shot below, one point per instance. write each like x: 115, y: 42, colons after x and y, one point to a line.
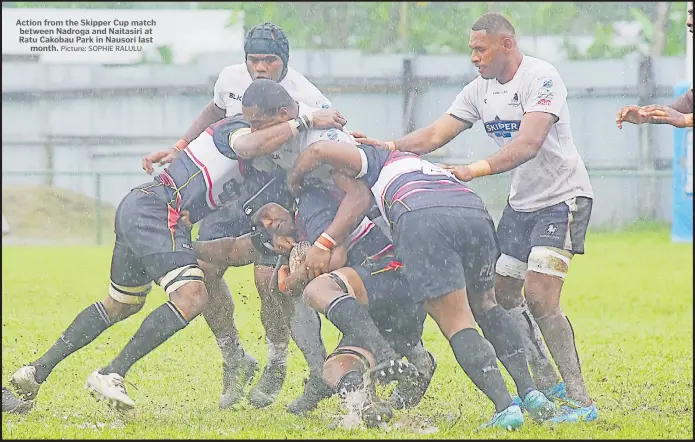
x: 268, y: 39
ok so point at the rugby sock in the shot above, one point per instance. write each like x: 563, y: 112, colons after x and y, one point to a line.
x: 354, y: 322
x: 305, y: 326
x: 157, y: 327
x: 277, y: 352
x: 559, y: 336
x: 544, y: 373
x: 505, y: 337
x: 86, y: 327
x: 477, y: 358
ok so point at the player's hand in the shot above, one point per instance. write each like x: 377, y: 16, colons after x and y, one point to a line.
x: 462, y: 173
x: 161, y: 158
x: 631, y: 114
x: 283, y: 244
x: 364, y: 139
x: 328, y: 119
x: 294, y: 186
x: 283, y: 275
x: 184, y: 216
x: 317, y: 260
x: 657, y: 114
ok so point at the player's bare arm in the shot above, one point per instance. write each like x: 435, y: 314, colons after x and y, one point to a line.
x: 533, y: 130
x: 343, y: 156
x: 424, y: 140
x: 270, y: 134
x: 210, y: 114
x: 228, y: 252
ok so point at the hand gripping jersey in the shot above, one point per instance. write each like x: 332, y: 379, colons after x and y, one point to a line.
x: 208, y: 173
x: 403, y: 182
x: 557, y: 173
x: 234, y: 80
x: 316, y: 209
x: 287, y: 154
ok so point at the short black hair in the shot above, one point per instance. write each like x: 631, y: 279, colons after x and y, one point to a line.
x: 268, y: 95
x: 493, y: 23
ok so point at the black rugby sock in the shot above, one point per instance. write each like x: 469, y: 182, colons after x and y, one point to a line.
x: 501, y: 331
x: 477, y: 358
x: 305, y: 327
x: 354, y: 322
x: 157, y: 327
x: 86, y: 327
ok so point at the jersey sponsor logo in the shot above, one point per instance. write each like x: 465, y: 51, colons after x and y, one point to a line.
x: 544, y: 102
x: 331, y: 134
x: 502, y: 128
x: 548, y: 83
x: 545, y: 93
x: 515, y: 100
x: 234, y: 96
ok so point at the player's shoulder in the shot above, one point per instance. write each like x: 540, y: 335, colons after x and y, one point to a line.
x: 235, y: 72
x: 535, y: 66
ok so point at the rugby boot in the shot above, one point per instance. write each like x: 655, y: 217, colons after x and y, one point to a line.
x: 13, y: 404
x: 359, y: 398
x: 572, y: 412
x: 315, y: 390
x: 538, y: 406
x: 24, y: 382
x: 410, y: 391
x: 111, y: 388
x: 266, y: 390
x: 553, y: 393
x: 394, y: 370
x: 236, y: 375
x: 511, y: 418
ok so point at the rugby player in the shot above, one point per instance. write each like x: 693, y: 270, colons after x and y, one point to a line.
x: 153, y: 243
x: 522, y: 103
x: 363, y: 269
x: 446, y: 241
x: 267, y: 55
x: 677, y: 114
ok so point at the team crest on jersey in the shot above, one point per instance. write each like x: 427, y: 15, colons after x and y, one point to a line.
x: 331, y: 134
x: 515, y: 100
x: 502, y: 128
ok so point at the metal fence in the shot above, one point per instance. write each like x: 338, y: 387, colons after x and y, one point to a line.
x: 92, y: 218
x: 85, y: 128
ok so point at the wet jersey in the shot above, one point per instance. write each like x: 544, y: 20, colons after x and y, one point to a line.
x: 316, y: 210
x: 235, y: 79
x: 207, y: 174
x: 287, y: 154
x: 403, y: 182
x: 557, y: 173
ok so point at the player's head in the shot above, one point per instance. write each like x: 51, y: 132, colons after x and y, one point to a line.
x: 275, y: 219
x: 689, y: 20
x: 492, y: 40
x: 267, y: 52
x: 266, y: 103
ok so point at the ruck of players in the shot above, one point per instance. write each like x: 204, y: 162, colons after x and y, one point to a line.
x: 364, y: 233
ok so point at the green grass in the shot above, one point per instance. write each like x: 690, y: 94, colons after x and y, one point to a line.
x: 629, y: 299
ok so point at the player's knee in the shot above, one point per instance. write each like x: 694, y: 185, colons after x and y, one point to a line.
x: 185, y: 287
x: 511, y: 267
x: 549, y: 261
x: 321, y: 291
x: 124, y: 301
x: 345, y: 367
x: 482, y: 302
x: 118, y: 311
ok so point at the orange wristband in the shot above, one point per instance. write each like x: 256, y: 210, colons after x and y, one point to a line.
x: 325, y: 242
x: 480, y: 168
x: 181, y: 145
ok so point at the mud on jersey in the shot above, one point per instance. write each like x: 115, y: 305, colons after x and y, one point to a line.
x: 403, y: 182
x: 208, y: 173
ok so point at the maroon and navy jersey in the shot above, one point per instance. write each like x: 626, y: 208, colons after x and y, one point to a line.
x: 316, y: 209
x: 207, y: 174
x: 402, y: 182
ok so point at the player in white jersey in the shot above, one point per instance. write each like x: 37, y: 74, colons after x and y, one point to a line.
x: 267, y: 56
x: 521, y: 101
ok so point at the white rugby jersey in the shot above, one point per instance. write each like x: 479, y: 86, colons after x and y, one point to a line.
x: 557, y: 173
x: 287, y: 154
x: 235, y: 79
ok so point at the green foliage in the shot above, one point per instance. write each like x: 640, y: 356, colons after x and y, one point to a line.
x: 431, y: 27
